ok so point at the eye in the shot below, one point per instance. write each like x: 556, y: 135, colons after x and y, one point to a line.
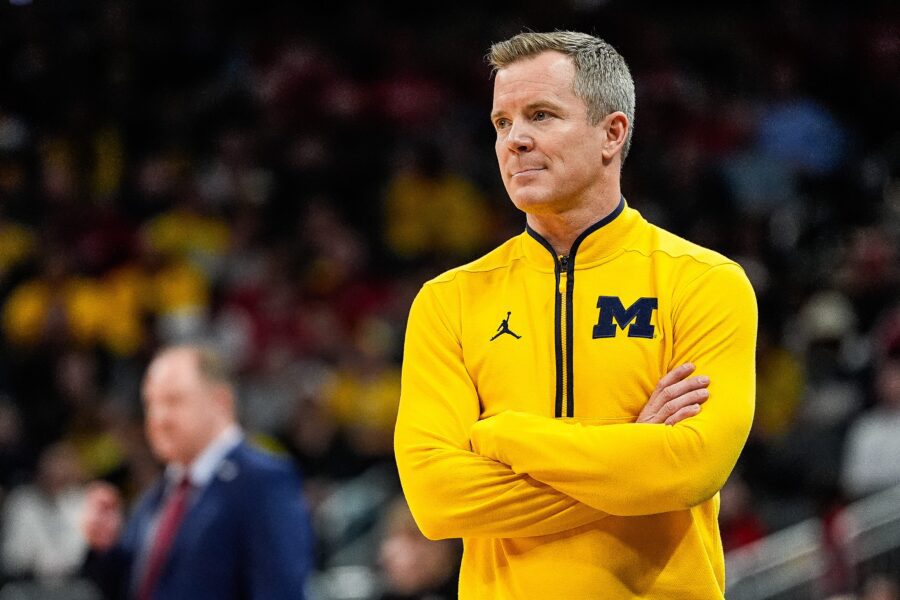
x: 540, y: 115
x: 501, y: 124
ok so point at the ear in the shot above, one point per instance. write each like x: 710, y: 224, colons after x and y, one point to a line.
x: 616, y: 126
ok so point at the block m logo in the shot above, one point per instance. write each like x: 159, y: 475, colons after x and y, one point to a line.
x: 612, y: 309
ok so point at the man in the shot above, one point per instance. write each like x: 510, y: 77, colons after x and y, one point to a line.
x: 226, y: 521
x: 526, y: 446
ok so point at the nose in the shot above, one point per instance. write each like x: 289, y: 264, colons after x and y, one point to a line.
x: 519, y: 139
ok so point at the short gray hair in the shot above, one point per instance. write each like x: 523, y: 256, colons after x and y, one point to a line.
x: 211, y: 365
x: 602, y: 79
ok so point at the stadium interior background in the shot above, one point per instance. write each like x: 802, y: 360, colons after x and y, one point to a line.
x: 280, y: 178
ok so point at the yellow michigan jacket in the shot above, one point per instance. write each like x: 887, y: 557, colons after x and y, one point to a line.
x: 523, y: 374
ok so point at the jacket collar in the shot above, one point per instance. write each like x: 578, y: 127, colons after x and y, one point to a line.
x: 599, y: 241
x: 207, y: 464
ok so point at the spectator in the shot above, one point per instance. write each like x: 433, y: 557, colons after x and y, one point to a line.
x: 431, y: 212
x: 414, y: 567
x: 41, y: 539
x: 874, y: 438
x: 738, y: 521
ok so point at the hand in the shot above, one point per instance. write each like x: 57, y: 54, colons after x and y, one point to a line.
x: 101, y: 518
x: 676, y: 397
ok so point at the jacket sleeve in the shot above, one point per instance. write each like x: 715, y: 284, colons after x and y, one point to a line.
x: 638, y: 469
x: 452, y: 491
x: 112, y: 570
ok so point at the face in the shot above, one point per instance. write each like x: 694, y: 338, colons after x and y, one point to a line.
x: 550, y: 156
x: 182, y: 413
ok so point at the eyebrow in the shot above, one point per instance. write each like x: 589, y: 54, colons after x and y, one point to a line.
x: 529, y: 107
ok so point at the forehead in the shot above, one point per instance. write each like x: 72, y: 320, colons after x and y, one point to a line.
x: 547, y: 76
x: 172, y: 372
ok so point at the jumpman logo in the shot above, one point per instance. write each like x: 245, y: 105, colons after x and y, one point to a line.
x: 504, y: 328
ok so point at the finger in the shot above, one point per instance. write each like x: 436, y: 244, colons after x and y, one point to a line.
x: 678, y: 388
x: 686, y: 412
x: 670, y: 408
x: 675, y: 375
x: 659, y: 397
x: 686, y: 386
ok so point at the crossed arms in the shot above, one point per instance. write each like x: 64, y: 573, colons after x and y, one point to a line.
x: 503, y: 477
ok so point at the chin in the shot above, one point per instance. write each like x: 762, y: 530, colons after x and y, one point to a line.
x: 532, y: 203
x: 163, y: 452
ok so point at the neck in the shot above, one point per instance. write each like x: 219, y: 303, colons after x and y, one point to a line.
x: 213, y: 435
x: 563, y: 228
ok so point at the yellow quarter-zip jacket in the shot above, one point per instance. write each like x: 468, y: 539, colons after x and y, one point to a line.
x: 523, y: 374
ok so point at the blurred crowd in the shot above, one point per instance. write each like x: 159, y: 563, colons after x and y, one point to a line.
x: 280, y: 181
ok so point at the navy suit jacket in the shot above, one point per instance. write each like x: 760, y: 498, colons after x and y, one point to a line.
x: 245, y: 536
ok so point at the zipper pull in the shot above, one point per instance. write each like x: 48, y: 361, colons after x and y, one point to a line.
x: 563, y: 271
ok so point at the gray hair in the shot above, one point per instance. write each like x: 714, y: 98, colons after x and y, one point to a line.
x: 602, y: 79
x: 211, y: 365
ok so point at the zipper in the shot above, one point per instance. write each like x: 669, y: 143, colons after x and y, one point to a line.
x: 564, y: 333
x: 565, y: 285
x: 563, y: 312
x: 565, y: 324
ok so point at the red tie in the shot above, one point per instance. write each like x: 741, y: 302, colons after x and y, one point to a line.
x: 172, y: 513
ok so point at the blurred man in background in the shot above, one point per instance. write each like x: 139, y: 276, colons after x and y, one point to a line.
x: 226, y: 520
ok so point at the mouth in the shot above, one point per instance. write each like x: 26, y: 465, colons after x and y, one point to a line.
x: 526, y: 172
